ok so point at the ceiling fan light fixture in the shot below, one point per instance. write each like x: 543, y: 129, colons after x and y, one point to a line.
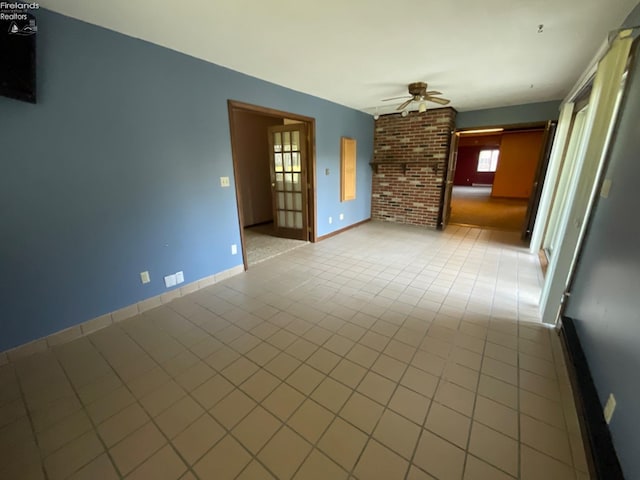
x: 404, y: 113
x: 376, y: 116
x: 422, y: 107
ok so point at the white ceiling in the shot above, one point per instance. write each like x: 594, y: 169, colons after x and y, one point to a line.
x: 479, y: 53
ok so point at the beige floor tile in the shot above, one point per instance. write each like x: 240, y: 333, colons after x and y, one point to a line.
x: 281, y: 339
x: 476, y: 469
x: 98, y: 388
x: 282, y: 365
x: 178, y: 416
x: 305, y: 379
x: 538, y: 366
x: 260, y: 385
x: 239, y: 371
x: 256, y: 429
x: 389, y: 367
x: 501, y: 371
x: 101, y: 467
x: 351, y: 331
x: 110, y: 404
x: 233, y: 408
x: 212, y: 391
x: 323, y: 360
x: 400, y: 351
x: 73, y: 456
x: 63, y: 432
x: 222, y: 358
x: 545, y: 438
x: 223, y: 462
x: 397, y: 433
x: 163, y: 465
x: 410, y: 404
x: 198, y: 438
x: 194, y: 376
x: 542, y: 409
x: 416, y: 474
x: 331, y: 394
x: 342, y: 443
x: 137, y: 447
x: 449, y: 424
x: 348, y: 372
x: 152, y: 380
x: 536, y: 465
x: 455, y: 397
x: 338, y: 344
x: 438, y: 457
x: 362, y: 412
x: 499, y: 391
x: 420, y: 382
x: 254, y: 471
x: 504, y: 354
x: 310, y: 420
x: 377, y: 387
x: 494, y: 448
x: 379, y: 463
x: 466, y: 358
x: 301, y: 349
x: 318, y: 466
x: 429, y: 362
x: 496, y: 416
x: 362, y: 355
x: 162, y: 398
x: 122, y: 424
x: 283, y: 401
x: 284, y: 453
x: 263, y: 353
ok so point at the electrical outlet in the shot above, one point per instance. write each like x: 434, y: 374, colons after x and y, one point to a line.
x: 234, y: 249
x: 609, y: 408
x: 330, y: 220
x: 224, y: 181
x: 144, y: 277
x: 342, y: 216
x: 170, y: 281
x: 180, y: 277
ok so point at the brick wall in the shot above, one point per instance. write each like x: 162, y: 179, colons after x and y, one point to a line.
x: 411, y: 194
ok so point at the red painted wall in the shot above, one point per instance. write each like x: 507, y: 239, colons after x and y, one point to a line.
x: 468, y: 150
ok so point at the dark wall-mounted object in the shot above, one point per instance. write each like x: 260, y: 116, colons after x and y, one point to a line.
x: 18, y: 55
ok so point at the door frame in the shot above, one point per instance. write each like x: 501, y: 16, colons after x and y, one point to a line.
x: 235, y: 106
x: 450, y: 171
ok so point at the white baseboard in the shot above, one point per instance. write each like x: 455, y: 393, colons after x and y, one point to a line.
x: 89, y: 326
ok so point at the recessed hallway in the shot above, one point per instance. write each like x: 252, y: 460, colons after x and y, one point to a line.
x: 475, y: 206
x: 386, y: 352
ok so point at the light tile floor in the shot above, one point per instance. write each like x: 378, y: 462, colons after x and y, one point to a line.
x: 386, y: 352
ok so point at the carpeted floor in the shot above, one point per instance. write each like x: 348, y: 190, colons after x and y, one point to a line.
x: 261, y: 244
x: 473, y: 206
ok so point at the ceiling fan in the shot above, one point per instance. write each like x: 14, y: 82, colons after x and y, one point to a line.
x: 418, y: 93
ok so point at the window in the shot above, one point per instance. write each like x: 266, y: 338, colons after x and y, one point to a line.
x: 488, y: 160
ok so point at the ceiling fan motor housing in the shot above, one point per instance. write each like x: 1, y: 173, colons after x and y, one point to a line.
x: 417, y: 88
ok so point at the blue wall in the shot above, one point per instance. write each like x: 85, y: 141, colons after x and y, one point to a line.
x: 116, y: 170
x: 528, y: 113
x: 604, y: 300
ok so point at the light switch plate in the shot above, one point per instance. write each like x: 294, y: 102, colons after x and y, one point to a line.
x: 609, y: 408
x: 224, y: 181
x: 234, y: 249
x: 170, y: 281
x: 180, y: 277
x: 144, y: 277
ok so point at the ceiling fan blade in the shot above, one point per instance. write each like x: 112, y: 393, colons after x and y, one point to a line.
x: 395, y: 98
x: 441, y: 101
x: 432, y: 92
x: 404, y: 104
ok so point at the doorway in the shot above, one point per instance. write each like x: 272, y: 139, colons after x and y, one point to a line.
x: 274, y: 170
x: 493, y: 175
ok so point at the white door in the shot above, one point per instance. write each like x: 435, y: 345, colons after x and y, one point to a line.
x: 599, y: 120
